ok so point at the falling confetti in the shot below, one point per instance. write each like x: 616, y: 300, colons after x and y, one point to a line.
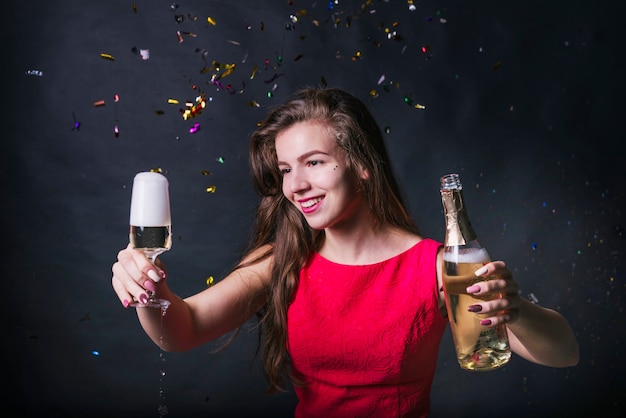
x: 195, y: 128
x: 99, y: 103
x: 35, y: 72
x: 211, y: 189
x: 76, y: 123
x: 209, y: 281
x: 409, y: 102
x: 107, y: 57
x: 192, y: 110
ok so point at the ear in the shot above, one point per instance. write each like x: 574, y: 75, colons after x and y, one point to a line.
x: 363, y: 173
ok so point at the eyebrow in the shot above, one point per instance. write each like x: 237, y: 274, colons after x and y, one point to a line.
x: 306, y: 155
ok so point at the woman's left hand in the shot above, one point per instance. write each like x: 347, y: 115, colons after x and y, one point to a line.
x: 499, y: 295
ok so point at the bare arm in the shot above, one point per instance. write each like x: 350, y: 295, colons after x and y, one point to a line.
x: 197, y: 319
x: 543, y: 336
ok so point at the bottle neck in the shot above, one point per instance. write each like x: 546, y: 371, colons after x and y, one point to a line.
x: 459, y: 230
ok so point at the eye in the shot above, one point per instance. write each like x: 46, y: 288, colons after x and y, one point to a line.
x: 313, y: 163
x: 284, y: 171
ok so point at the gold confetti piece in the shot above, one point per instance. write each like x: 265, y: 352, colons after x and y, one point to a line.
x: 172, y: 101
x: 420, y: 106
x: 210, y: 189
x: 356, y: 56
x: 134, y: 7
x: 211, y: 20
x: 156, y: 170
x: 209, y: 281
x: 98, y: 103
x: 107, y: 57
x: 206, y: 173
x: 222, y: 69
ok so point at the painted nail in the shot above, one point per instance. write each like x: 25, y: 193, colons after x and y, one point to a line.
x: 144, y: 299
x: 154, y: 275
x: 475, y: 308
x: 125, y: 302
x: 485, y: 322
x: 473, y: 289
x: 149, y: 285
x: 480, y: 271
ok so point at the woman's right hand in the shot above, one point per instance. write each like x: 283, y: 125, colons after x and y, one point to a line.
x: 134, y: 276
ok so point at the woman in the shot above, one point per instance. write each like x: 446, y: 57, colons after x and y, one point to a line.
x: 348, y: 292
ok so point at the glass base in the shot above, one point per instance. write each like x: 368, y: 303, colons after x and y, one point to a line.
x: 152, y: 303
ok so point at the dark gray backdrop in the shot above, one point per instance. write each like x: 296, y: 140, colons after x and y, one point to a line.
x: 523, y: 99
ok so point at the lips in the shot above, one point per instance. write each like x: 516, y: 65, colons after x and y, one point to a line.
x: 309, y: 205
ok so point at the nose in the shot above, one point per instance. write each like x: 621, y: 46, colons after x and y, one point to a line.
x: 298, y: 181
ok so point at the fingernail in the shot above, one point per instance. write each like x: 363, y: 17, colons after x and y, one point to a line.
x: 485, y: 322
x: 143, y: 299
x: 125, y: 302
x: 473, y: 289
x: 154, y: 275
x: 149, y: 285
x: 474, y: 308
x: 162, y: 272
x: 480, y: 271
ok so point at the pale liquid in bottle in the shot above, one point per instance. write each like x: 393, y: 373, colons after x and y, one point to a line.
x: 477, y: 347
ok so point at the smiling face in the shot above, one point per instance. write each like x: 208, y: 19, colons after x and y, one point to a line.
x: 316, y: 176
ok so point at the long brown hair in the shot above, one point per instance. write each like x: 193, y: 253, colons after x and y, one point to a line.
x: 281, y: 225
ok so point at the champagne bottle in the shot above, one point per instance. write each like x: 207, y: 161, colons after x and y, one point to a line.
x: 478, y: 348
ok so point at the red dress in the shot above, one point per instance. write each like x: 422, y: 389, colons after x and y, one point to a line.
x: 365, y: 338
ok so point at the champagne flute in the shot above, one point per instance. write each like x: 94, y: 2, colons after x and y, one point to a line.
x: 150, y: 222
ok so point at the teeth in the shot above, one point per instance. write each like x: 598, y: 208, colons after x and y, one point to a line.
x: 310, y: 203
